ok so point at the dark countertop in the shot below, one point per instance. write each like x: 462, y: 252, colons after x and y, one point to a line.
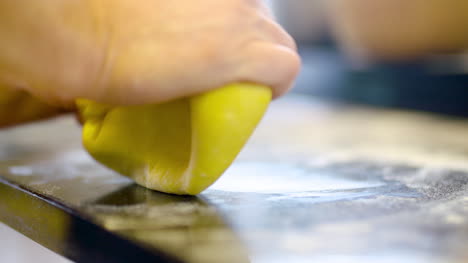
x: 316, y: 183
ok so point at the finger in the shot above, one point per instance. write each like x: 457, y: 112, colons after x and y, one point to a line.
x: 17, y: 107
x: 274, y: 65
x: 273, y: 32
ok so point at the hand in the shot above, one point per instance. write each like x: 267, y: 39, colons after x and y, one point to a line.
x: 139, y: 51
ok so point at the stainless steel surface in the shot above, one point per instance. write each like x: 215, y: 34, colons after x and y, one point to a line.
x: 317, y: 182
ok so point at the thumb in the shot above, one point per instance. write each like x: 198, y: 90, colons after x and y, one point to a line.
x: 17, y: 106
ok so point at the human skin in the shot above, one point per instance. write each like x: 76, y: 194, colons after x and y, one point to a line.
x: 400, y: 29
x: 127, y: 52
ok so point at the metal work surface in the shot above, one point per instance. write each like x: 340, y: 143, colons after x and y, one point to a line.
x: 317, y: 183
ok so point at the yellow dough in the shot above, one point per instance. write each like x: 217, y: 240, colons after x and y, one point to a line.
x: 178, y: 147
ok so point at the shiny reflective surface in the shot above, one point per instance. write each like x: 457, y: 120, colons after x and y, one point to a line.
x: 316, y: 183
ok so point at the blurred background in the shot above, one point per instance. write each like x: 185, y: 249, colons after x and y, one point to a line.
x: 16, y: 248
x: 394, y: 53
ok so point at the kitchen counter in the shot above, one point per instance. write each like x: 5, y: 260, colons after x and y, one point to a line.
x: 316, y: 183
